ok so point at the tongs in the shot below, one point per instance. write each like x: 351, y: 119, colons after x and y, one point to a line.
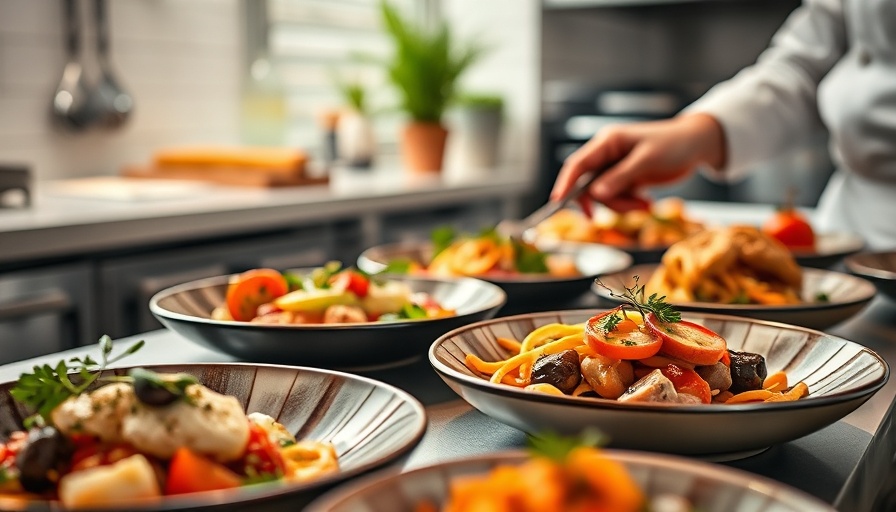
x: 515, y: 228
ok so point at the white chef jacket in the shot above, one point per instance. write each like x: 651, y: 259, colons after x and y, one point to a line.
x: 832, y: 62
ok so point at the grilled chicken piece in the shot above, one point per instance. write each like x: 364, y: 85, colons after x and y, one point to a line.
x: 654, y: 387
x: 99, y: 413
x: 608, y: 378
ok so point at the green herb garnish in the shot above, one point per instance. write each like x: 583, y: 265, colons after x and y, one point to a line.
x: 49, y: 386
x: 398, y: 266
x: 412, y: 312
x: 442, y: 237
x: 609, y: 322
x: 557, y: 447
x: 321, y: 275
x: 633, y: 297
x: 528, y: 259
x: 293, y: 281
x: 822, y: 297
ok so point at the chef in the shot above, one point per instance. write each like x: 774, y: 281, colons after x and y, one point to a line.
x: 833, y: 63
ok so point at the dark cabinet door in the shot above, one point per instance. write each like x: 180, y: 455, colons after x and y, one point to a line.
x: 45, y: 310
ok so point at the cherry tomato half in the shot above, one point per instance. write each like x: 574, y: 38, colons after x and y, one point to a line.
x: 252, y: 289
x: 261, y: 456
x: 688, y: 341
x: 628, y: 339
x: 352, y: 281
x: 790, y: 228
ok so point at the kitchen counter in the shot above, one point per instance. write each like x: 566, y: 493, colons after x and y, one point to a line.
x: 845, y: 464
x: 60, y: 225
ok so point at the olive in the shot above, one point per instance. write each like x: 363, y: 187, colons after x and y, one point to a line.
x: 42, y: 459
x: 561, y: 370
x: 150, y: 389
x: 748, y: 371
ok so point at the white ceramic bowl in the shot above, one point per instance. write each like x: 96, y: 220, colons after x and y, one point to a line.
x: 846, y: 294
x: 841, y: 375
x: 368, y: 422
x: 709, y: 487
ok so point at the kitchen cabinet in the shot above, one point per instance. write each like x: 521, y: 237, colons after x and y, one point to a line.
x: 45, y: 310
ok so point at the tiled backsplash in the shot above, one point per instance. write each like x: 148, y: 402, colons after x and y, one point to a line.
x: 180, y: 60
x: 183, y: 63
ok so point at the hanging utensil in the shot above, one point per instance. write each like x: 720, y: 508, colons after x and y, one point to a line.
x: 113, y: 105
x: 70, y: 102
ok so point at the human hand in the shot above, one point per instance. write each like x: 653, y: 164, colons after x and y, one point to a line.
x: 641, y: 154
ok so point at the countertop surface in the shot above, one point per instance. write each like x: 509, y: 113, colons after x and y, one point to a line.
x: 96, y: 214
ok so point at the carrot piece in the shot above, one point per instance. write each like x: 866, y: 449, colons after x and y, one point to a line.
x: 754, y: 395
x: 775, y: 382
x: 610, y: 481
x: 191, y: 472
x: 509, y: 344
x: 796, y: 392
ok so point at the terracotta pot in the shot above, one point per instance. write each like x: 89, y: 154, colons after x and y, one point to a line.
x: 423, y: 147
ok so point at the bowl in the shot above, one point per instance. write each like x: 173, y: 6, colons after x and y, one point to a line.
x: 186, y: 309
x: 369, y: 423
x: 829, y: 249
x: 877, y: 267
x: 709, y: 487
x: 591, y: 260
x: 841, y: 375
x: 846, y: 295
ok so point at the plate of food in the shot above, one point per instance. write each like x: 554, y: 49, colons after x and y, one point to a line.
x: 738, y: 270
x: 524, y: 272
x: 556, y: 476
x: 810, y: 248
x: 721, y: 386
x: 326, y: 317
x: 644, y: 234
x: 877, y: 267
x: 182, y: 437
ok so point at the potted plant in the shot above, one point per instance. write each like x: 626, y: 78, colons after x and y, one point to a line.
x: 479, y: 119
x: 355, y: 140
x: 425, y: 69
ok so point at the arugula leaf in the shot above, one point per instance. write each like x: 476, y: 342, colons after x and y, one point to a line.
x: 47, y: 387
x: 557, y: 447
x: 412, y: 312
x: 398, y: 266
x: 442, y: 237
x: 528, y: 259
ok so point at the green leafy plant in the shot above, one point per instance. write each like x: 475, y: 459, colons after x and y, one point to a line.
x: 354, y: 95
x: 426, y: 65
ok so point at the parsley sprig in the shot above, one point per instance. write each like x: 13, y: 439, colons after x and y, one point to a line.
x: 49, y: 386
x: 633, y: 298
x: 557, y: 447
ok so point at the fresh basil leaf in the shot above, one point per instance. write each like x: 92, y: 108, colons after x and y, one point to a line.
x: 528, y: 259
x: 442, y: 237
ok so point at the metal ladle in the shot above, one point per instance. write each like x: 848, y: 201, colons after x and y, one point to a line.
x: 70, y: 103
x: 111, y: 103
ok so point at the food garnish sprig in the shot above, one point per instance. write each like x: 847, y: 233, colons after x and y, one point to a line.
x: 49, y: 386
x: 633, y: 299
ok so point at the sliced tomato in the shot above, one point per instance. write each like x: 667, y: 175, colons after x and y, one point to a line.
x: 688, y: 341
x: 352, y: 281
x: 261, y: 457
x: 191, y: 472
x: 628, y: 339
x: 252, y: 289
x: 688, y: 381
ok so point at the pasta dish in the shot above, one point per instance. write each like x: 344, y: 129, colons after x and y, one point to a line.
x: 734, y: 265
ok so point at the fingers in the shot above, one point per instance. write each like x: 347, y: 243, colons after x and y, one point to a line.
x: 593, y: 156
x: 624, y: 176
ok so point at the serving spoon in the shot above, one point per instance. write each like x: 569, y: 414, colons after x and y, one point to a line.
x: 70, y: 102
x: 112, y: 105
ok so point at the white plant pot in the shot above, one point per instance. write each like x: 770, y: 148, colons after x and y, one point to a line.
x: 355, y: 141
x: 478, y: 131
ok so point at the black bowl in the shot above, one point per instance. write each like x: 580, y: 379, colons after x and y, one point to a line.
x: 877, y: 267
x: 186, y: 309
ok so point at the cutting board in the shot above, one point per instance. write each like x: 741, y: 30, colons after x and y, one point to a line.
x: 227, y: 175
